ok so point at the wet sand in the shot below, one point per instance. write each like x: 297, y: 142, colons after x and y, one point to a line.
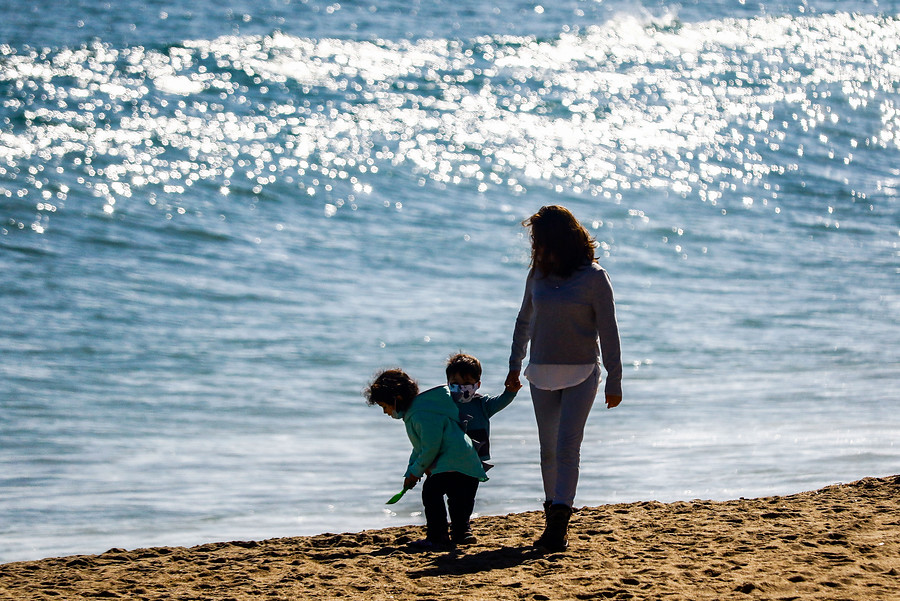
x: 839, y: 542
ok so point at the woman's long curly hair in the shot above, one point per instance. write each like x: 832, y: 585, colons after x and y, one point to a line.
x: 559, y: 243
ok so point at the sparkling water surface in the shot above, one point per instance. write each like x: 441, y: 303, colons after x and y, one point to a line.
x: 217, y: 223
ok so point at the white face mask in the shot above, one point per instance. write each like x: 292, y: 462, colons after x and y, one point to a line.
x: 463, y: 393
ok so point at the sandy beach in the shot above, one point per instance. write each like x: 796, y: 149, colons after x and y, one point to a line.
x: 839, y: 542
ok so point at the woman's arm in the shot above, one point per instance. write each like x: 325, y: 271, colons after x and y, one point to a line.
x: 608, y: 331
x: 521, y: 333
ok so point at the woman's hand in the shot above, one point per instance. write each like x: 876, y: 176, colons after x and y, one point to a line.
x: 512, y: 380
x: 613, y: 400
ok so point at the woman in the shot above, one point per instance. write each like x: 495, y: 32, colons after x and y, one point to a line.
x: 568, y: 307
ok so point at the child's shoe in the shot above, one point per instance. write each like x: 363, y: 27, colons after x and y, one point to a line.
x: 464, y: 538
x: 428, y: 544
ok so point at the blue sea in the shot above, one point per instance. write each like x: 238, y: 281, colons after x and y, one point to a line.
x: 218, y: 220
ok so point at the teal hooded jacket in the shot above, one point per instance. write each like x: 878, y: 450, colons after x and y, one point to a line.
x: 439, y: 443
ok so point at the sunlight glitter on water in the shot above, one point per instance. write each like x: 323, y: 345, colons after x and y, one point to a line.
x: 624, y: 106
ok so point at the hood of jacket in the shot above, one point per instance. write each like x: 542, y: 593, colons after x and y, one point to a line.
x: 435, y: 401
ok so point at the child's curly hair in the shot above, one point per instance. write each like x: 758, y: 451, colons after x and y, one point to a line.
x: 392, y: 387
x: 464, y: 365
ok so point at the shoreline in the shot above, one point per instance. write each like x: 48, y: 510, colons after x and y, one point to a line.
x: 838, y: 542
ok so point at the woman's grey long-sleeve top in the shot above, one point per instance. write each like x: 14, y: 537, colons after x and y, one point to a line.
x: 565, y: 318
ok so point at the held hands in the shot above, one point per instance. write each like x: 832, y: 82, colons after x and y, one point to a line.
x: 514, y: 386
x: 512, y: 381
x: 410, y: 481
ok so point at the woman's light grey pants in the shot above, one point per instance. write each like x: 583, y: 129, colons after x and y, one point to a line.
x: 561, y: 416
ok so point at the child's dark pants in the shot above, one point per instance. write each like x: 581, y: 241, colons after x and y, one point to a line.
x: 460, y: 491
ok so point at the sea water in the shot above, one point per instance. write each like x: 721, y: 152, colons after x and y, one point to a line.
x: 219, y: 220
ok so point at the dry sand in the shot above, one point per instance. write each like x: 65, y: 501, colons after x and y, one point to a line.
x: 840, y: 542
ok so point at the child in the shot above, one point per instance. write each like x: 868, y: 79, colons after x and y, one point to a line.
x: 475, y: 410
x: 441, y: 450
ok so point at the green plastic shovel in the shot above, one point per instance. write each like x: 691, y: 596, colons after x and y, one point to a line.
x: 397, y: 497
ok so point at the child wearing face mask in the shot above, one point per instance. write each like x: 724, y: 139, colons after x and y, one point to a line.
x: 476, y: 410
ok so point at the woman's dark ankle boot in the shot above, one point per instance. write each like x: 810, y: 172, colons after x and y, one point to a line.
x: 555, y: 536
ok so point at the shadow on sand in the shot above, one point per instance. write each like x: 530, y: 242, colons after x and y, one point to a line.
x: 482, y: 561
